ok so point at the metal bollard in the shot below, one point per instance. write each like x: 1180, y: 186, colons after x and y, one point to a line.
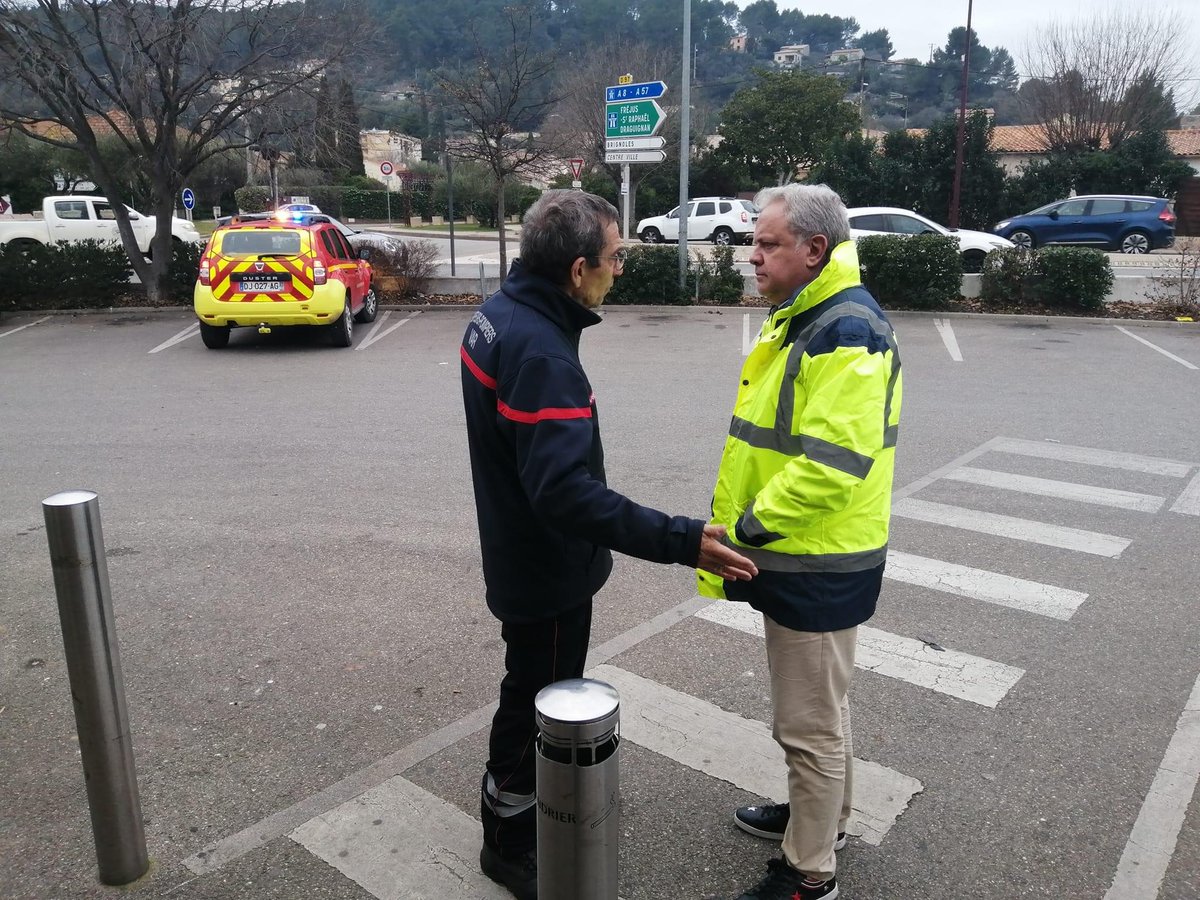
x: 577, y: 790
x: 97, y: 689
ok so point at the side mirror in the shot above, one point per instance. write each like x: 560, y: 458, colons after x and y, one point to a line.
x: 364, y: 252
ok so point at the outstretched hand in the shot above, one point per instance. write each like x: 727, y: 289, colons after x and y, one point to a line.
x: 721, y: 560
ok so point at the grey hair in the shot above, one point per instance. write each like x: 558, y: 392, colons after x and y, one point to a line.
x: 560, y: 227
x: 810, y: 209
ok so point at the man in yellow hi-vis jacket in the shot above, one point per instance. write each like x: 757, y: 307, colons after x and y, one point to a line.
x: 804, y: 488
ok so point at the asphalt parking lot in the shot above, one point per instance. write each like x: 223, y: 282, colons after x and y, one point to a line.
x: 308, y: 663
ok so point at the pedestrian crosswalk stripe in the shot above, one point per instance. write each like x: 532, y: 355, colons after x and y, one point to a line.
x: 400, y: 842
x: 741, y: 751
x: 950, y: 672
x: 1188, y: 502
x: 1061, y: 490
x: 1132, y: 462
x: 979, y: 584
x: 1077, y: 539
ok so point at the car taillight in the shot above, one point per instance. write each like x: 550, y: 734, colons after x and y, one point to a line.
x: 204, y: 272
x: 318, y: 273
x: 1167, y: 216
x: 745, y: 218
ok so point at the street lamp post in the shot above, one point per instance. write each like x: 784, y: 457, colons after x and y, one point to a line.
x: 956, y: 191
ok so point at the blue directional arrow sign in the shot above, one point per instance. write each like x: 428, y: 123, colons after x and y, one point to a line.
x: 647, y: 90
x: 189, y: 199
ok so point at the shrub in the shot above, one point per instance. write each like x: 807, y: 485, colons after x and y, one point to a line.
x: 400, y: 268
x: 1007, y: 275
x: 718, y: 279
x: 651, y: 276
x: 1072, y: 277
x: 79, y: 275
x: 185, y: 268
x: 919, y: 272
x: 253, y: 198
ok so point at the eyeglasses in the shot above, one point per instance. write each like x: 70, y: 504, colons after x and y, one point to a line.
x: 618, y: 258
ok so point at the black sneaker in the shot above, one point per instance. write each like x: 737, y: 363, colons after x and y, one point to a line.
x: 771, y: 821
x: 518, y: 873
x: 785, y: 883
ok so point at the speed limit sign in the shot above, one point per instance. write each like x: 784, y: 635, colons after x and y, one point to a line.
x: 386, y: 168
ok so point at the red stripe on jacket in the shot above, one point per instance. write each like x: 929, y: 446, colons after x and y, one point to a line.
x: 518, y: 415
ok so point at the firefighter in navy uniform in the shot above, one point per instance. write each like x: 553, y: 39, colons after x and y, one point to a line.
x: 547, y: 520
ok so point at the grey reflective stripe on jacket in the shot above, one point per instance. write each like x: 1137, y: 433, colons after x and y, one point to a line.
x: 780, y: 438
x: 771, y: 561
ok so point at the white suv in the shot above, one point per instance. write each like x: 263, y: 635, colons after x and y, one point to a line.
x: 723, y: 220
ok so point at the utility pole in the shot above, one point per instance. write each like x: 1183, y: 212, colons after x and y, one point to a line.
x: 685, y: 140
x: 956, y: 192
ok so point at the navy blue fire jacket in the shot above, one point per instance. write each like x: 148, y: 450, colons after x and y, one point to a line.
x: 547, y: 518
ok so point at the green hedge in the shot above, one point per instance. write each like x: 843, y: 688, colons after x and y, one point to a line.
x: 651, y: 276
x: 84, y: 275
x: 923, y: 271
x: 1069, y: 277
x: 79, y: 275
x: 1073, y: 277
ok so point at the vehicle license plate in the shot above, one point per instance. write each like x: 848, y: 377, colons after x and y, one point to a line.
x: 261, y: 284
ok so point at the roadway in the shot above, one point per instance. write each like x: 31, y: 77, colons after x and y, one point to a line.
x: 309, y: 665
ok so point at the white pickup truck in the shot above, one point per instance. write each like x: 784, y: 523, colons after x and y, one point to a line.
x: 79, y: 218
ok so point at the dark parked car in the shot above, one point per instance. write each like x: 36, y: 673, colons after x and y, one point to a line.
x: 1122, y: 222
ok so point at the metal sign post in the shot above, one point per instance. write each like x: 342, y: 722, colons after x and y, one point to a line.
x: 386, y: 169
x: 189, y: 202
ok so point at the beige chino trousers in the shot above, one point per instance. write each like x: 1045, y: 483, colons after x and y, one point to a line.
x: 810, y: 676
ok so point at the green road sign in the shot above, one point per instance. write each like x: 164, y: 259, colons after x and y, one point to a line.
x: 638, y: 118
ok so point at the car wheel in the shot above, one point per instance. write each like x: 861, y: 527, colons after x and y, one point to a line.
x: 651, y: 236
x: 342, y: 331
x: 370, y: 307
x: 1023, y: 239
x: 1135, y: 242
x: 723, y: 237
x: 972, y: 261
x: 214, y: 336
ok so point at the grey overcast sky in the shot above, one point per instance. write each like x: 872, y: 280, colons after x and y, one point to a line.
x: 915, y: 24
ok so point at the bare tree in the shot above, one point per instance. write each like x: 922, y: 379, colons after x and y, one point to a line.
x: 576, y: 121
x: 173, y: 81
x: 1088, y: 75
x: 502, y: 98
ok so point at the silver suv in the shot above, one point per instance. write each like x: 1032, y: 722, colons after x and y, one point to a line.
x: 723, y: 220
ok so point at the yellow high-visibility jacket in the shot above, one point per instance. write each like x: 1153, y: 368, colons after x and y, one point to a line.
x: 805, y: 480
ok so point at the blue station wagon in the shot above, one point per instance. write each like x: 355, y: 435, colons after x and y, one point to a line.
x: 1122, y: 222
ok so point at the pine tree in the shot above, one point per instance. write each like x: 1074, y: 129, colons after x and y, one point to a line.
x: 325, y: 153
x: 350, y: 154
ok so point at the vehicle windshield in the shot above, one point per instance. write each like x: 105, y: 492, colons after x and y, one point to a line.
x: 748, y: 206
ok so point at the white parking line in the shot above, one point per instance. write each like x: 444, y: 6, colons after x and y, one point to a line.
x: 188, y: 332
x: 1151, y: 465
x: 978, y: 584
x: 373, y: 337
x: 947, y: 332
x: 384, y: 316
x: 1188, y: 502
x: 741, y: 751
x: 950, y: 672
x: 23, y: 327
x: 1156, y: 831
x: 1061, y: 490
x: 1077, y: 539
x: 400, y: 842
x: 1142, y: 340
